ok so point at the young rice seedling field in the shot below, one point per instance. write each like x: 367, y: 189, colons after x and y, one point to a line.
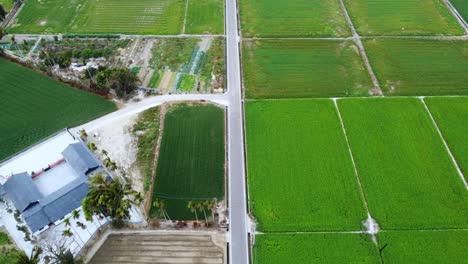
x: 34, y: 106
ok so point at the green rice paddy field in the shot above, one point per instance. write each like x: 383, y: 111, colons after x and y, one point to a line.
x: 314, y: 248
x: 118, y: 16
x: 402, y: 17
x: 407, y: 175
x: 303, y: 68
x: 420, y: 247
x: 191, y: 158
x: 451, y: 116
x: 34, y: 106
x: 205, y: 16
x: 297, y: 159
x: 292, y: 18
x: 462, y: 7
x: 419, y: 67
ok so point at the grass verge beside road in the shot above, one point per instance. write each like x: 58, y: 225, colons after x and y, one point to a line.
x: 34, y: 106
x: 300, y: 174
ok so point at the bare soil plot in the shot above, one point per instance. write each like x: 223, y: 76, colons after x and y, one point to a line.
x: 408, y: 177
x: 292, y: 18
x: 303, y: 68
x: 314, y: 248
x: 158, y: 248
x: 420, y: 247
x: 451, y: 116
x: 419, y: 67
x: 402, y: 17
x: 300, y: 174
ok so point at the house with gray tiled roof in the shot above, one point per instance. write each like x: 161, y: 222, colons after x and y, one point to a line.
x: 46, y: 197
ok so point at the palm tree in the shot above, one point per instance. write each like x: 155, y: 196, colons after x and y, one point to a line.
x: 67, y: 233
x: 68, y: 224
x: 34, y: 258
x: 193, y: 208
x: 109, y: 198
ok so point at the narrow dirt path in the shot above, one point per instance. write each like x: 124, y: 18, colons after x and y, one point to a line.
x: 357, y: 39
x: 185, y: 16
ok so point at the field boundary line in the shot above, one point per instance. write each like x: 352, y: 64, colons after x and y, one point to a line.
x: 357, y: 97
x: 460, y: 173
x: 357, y: 39
x: 457, y: 15
x: 351, y: 155
x: 425, y: 230
x: 185, y: 16
x: 310, y: 232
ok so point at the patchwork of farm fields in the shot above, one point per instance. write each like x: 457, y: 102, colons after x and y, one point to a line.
x: 34, y: 106
x: 115, y: 16
x: 402, y: 17
x: 303, y: 68
x: 293, y: 18
x: 191, y: 158
x: 301, y: 178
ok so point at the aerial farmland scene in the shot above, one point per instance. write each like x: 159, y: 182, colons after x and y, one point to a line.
x: 233, y: 131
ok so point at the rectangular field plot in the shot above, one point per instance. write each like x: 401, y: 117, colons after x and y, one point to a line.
x: 424, y: 246
x: 205, y: 17
x: 34, y: 107
x: 314, y: 248
x: 419, y: 67
x: 402, y: 17
x: 104, y: 16
x: 408, y: 177
x: 303, y: 68
x: 300, y: 173
x: 191, y: 158
x: 451, y: 116
x: 462, y: 8
x: 292, y: 18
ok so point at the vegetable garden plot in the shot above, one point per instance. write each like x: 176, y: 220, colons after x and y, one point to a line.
x: 314, y: 248
x: 292, y: 18
x: 34, y: 107
x: 407, y: 175
x: 303, y: 68
x: 300, y: 174
x: 402, y: 17
x: 447, y: 246
x: 419, y: 67
x: 451, y: 116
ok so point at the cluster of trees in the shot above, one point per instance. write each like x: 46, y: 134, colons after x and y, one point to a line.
x: 53, y: 254
x: 122, y: 80
x: 3, y: 13
x: 64, y: 58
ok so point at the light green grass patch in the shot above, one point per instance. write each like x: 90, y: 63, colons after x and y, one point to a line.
x: 187, y: 83
x: 191, y: 158
x: 314, y: 248
x: 303, y: 68
x: 402, y: 17
x: 420, y: 67
x: 155, y: 79
x: 7, y: 4
x: 300, y: 173
x: 424, y: 246
x: 408, y: 177
x: 451, y: 115
x: 205, y: 17
x: 34, y: 106
x: 292, y: 18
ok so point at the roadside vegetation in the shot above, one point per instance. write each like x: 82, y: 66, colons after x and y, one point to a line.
x: 7, y: 4
x: 146, y: 130
x: 35, y: 106
x: 462, y: 7
x: 293, y: 18
x: 190, y: 169
x: 402, y: 17
x: 418, y: 67
x: 303, y: 68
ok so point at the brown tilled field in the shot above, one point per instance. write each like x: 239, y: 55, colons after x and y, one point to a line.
x: 159, y: 248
